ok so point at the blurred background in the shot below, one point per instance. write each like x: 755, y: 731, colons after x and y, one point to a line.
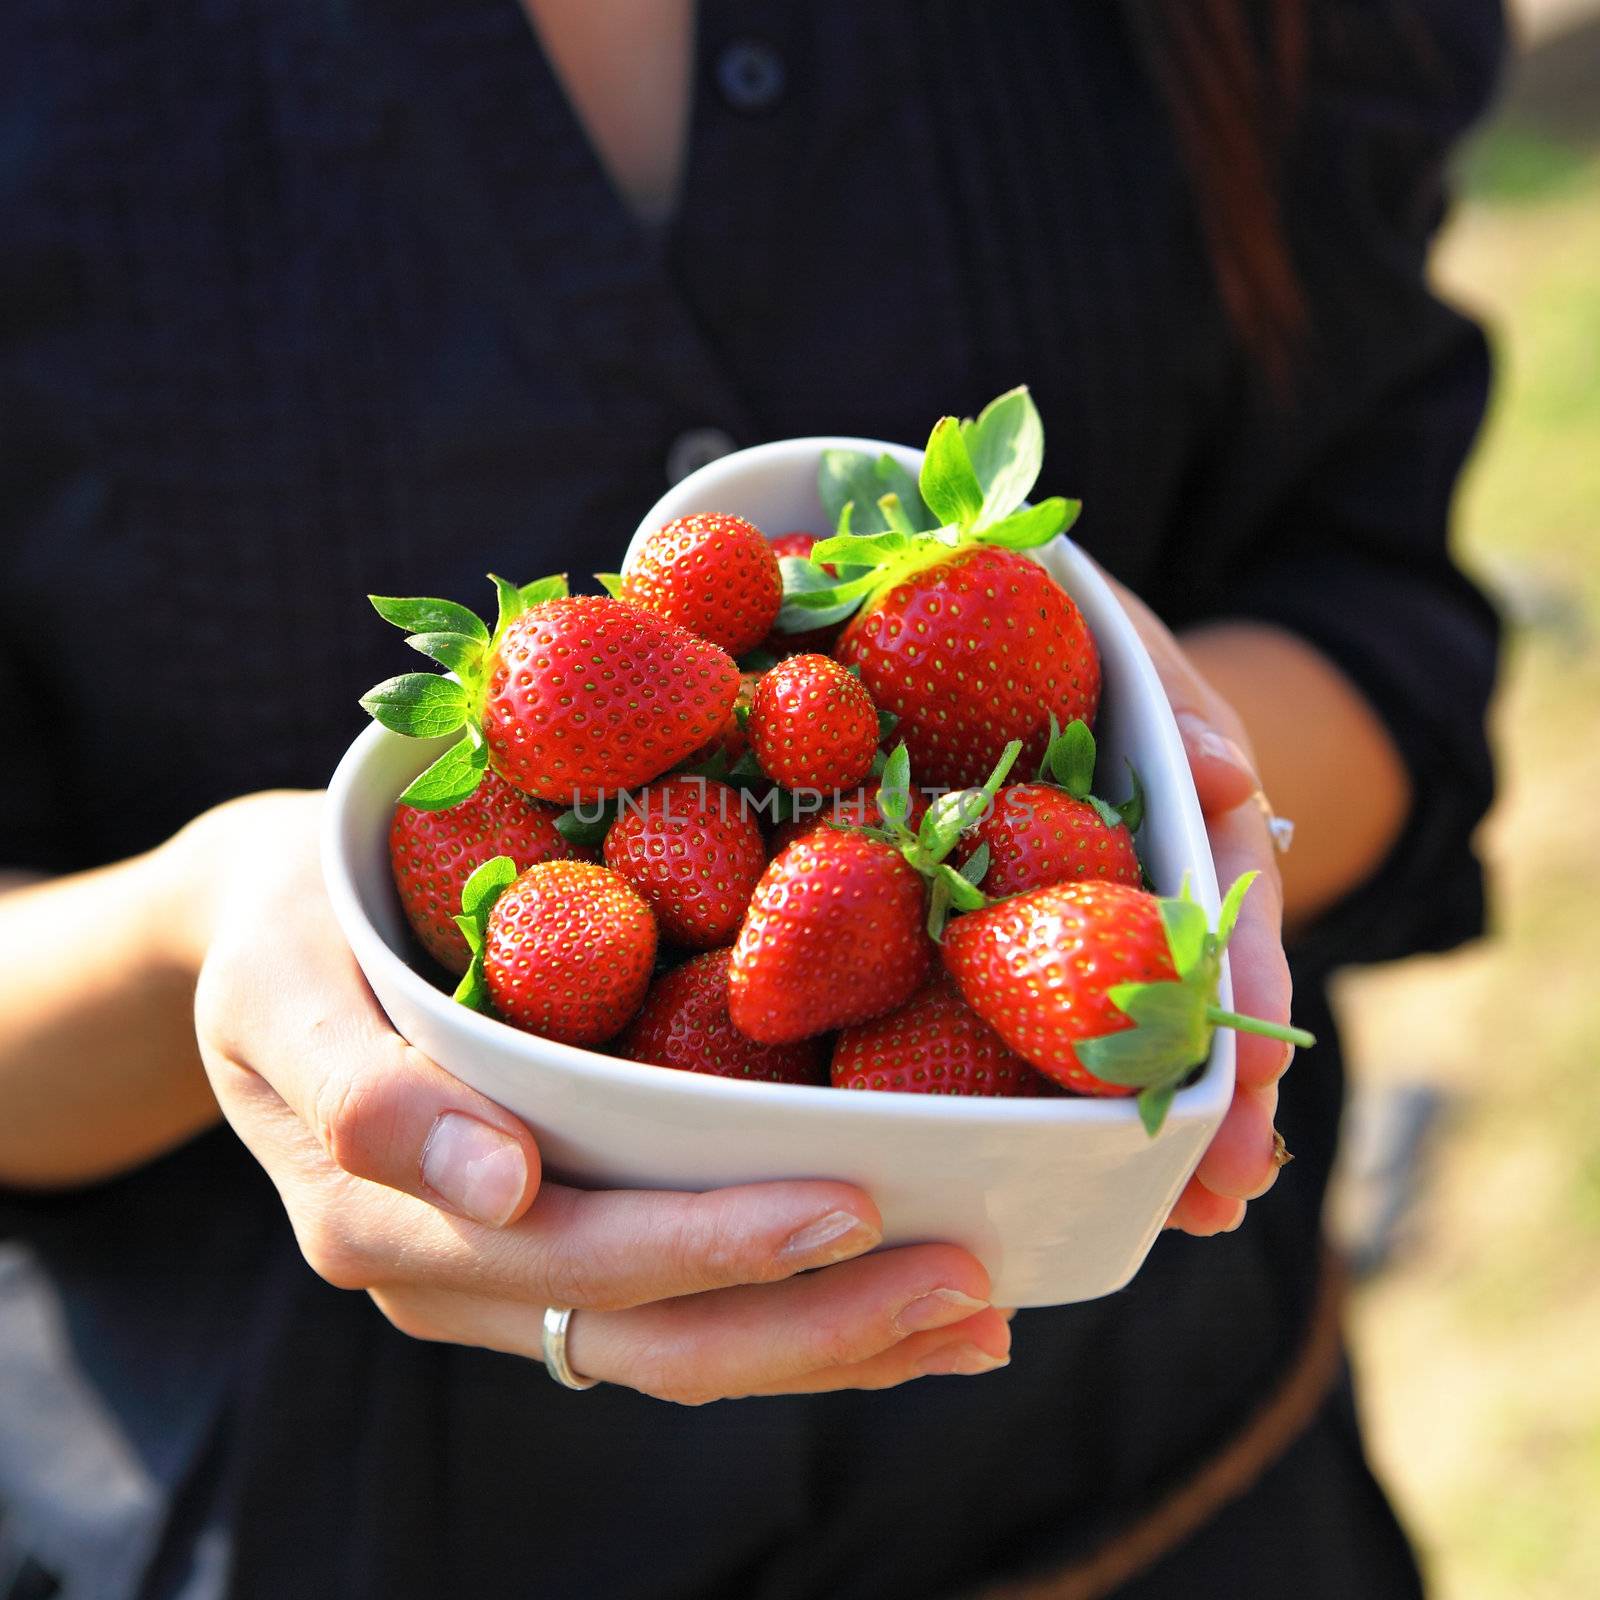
x: 1471, y: 1193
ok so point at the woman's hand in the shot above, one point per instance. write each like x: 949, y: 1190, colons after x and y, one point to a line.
x: 401, y: 1181
x: 1244, y: 1158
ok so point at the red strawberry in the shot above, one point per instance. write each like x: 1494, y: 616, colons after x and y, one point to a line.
x: 685, y: 1024
x: 729, y: 742
x: 834, y: 935
x: 567, y: 697
x: 935, y: 1045
x: 812, y: 725
x: 811, y: 641
x: 433, y: 853
x: 970, y: 652
x: 694, y: 850
x: 564, y: 949
x: 958, y: 633
x: 1102, y: 987
x: 714, y: 574
x: 1038, y: 834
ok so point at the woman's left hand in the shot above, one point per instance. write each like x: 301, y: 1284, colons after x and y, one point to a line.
x: 1244, y: 1158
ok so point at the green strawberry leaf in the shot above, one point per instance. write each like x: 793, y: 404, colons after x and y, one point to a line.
x: 421, y: 705
x: 965, y: 896
x: 847, y: 478
x: 485, y: 886
x: 887, y: 723
x: 1037, y: 525
x: 1188, y: 936
x: 429, y: 616
x: 1071, y: 759
x: 454, y: 777
x: 473, y: 990
x: 1131, y: 1059
x: 904, y: 488
x: 949, y: 485
x: 761, y: 661
x: 856, y: 549
x: 1153, y: 1106
x: 1103, y: 809
x: 894, y: 514
x: 812, y: 599
x: 1131, y: 811
x: 1231, y: 904
x: 542, y: 589
x: 976, y: 865
x: 1006, y: 448
x: 946, y: 820
x: 511, y: 604
x: 938, y: 909
x: 587, y: 826
x: 894, y: 792
x: 611, y: 582
x: 456, y: 652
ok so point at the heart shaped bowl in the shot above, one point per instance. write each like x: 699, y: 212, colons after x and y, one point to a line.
x: 1061, y: 1199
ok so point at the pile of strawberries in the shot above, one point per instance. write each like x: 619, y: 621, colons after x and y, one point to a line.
x: 669, y: 825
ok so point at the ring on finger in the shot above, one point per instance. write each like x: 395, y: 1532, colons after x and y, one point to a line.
x: 553, y: 1344
x: 1280, y: 828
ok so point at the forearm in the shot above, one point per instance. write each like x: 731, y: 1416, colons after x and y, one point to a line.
x: 1324, y: 756
x: 98, y: 1065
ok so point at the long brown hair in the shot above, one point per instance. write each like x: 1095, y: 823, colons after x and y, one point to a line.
x: 1230, y: 72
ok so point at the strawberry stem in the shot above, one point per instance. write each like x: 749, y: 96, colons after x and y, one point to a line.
x: 1269, y: 1030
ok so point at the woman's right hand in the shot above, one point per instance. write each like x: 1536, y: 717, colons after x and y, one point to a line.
x: 401, y: 1181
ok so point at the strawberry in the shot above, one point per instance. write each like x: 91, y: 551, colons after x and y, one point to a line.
x: 972, y: 651
x: 812, y: 726
x: 568, y: 696
x: 433, y: 853
x: 838, y: 929
x: 694, y: 851
x: 685, y: 1024
x: 724, y: 748
x: 1106, y: 989
x: 564, y: 949
x: 834, y: 935
x: 957, y: 632
x: 1039, y: 834
x: 934, y: 1045
x: 712, y: 573
x: 812, y: 641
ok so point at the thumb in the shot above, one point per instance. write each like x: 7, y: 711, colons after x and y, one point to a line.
x: 378, y: 1106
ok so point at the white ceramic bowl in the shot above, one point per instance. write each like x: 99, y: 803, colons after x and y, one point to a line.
x: 1060, y: 1198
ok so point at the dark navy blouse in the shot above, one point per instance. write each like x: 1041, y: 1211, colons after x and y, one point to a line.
x: 299, y: 301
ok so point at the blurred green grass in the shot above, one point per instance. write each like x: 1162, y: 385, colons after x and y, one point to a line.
x: 1476, y: 1349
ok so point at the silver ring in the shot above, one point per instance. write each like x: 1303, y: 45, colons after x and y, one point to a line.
x: 1280, y: 829
x: 553, y: 1342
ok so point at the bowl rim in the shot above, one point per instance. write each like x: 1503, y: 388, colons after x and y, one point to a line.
x: 1201, y: 1100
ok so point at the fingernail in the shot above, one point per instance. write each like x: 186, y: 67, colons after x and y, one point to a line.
x: 960, y: 1360
x: 936, y: 1310
x: 834, y: 1237
x: 1208, y: 742
x: 474, y: 1169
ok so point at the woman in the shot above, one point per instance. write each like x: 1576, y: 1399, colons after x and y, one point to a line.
x: 310, y: 301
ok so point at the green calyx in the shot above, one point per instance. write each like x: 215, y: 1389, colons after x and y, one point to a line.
x: 942, y: 825
x: 1174, y: 1020
x: 976, y: 475
x: 427, y: 705
x: 478, y: 895
x: 1069, y: 761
